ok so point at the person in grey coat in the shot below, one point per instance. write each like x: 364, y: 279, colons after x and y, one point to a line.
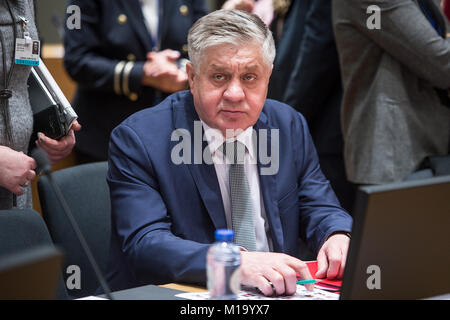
x: 396, y: 76
x: 16, y: 117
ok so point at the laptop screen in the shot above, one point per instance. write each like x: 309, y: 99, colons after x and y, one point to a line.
x: 400, y: 247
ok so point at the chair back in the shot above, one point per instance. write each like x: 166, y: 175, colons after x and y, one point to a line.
x: 86, y: 192
x: 27, y: 254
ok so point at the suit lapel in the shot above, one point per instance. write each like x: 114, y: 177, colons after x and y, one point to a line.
x: 206, y: 180
x: 133, y: 10
x: 204, y: 175
x: 268, y: 188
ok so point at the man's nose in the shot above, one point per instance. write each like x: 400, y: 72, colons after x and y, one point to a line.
x: 234, y: 91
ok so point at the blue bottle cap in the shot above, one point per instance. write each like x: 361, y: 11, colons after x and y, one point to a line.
x: 226, y: 235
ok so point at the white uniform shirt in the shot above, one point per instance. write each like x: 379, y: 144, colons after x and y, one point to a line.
x: 150, y: 10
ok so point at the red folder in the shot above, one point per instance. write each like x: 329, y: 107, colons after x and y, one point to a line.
x: 325, y: 284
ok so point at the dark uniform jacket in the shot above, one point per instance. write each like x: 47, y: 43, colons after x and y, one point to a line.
x: 106, y: 55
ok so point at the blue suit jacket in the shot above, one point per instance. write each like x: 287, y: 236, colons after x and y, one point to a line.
x: 164, y: 215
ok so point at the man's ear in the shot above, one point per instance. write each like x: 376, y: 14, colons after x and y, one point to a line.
x: 270, y: 70
x: 191, y: 74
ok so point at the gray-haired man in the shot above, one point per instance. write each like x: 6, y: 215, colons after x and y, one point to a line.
x: 165, y: 213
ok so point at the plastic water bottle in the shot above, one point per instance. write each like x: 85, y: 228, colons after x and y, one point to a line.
x: 223, y: 267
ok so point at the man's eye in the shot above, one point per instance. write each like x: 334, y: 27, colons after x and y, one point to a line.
x: 219, y: 77
x: 249, y: 77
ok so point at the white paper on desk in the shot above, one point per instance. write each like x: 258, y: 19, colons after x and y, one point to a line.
x: 91, y: 298
x: 301, y: 294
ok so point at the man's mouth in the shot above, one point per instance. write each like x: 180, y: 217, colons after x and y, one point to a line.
x: 233, y: 114
x: 232, y: 110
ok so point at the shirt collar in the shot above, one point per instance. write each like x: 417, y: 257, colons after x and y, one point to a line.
x: 215, y: 139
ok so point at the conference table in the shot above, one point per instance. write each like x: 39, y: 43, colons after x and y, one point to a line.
x: 153, y: 292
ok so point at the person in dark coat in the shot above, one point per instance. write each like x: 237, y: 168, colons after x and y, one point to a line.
x: 126, y: 56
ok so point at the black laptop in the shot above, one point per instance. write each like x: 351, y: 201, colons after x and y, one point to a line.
x: 400, y: 246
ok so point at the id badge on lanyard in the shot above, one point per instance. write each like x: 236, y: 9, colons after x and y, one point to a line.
x: 27, y: 49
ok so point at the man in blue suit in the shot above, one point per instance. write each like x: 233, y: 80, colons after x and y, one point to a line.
x: 170, y: 191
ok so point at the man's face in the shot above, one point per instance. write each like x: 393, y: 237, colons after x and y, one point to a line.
x: 230, y: 86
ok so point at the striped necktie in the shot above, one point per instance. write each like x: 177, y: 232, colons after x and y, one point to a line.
x: 241, y: 204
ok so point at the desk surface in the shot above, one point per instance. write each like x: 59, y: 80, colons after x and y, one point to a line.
x: 184, y: 287
x: 152, y: 292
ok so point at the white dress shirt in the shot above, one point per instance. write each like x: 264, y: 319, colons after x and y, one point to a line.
x: 215, y: 140
x: 150, y: 11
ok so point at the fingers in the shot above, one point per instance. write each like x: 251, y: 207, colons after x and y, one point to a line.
x: 171, y: 54
x: 246, y: 5
x: 31, y: 174
x: 332, y: 256
x: 162, y: 63
x: 155, y: 70
x: 167, y: 54
x: 16, y: 170
x: 273, y: 273
x: 28, y: 175
x: 322, y: 265
x: 288, y: 283
x: 52, y: 145
x: 303, y: 271
x: 334, y: 263
x: 277, y: 280
x: 76, y: 126
x: 167, y: 72
x: 344, y: 251
x: 56, y: 149
x: 268, y: 285
x: 23, y: 182
x: 168, y: 83
x: 17, y: 190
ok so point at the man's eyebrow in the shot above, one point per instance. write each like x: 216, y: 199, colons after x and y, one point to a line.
x: 253, y: 67
x: 216, y: 67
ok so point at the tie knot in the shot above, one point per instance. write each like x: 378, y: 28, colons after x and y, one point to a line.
x: 234, y: 151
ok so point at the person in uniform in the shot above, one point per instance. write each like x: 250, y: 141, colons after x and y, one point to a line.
x: 127, y: 55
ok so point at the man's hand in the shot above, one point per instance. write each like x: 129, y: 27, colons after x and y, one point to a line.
x: 161, y: 72
x: 161, y: 62
x: 58, y: 149
x: 259, y: 269
x: 16, y: 170
x: 332, y: 256
x: 245, y: 5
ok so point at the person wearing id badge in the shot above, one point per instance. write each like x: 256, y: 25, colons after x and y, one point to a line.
x: 19, y: 51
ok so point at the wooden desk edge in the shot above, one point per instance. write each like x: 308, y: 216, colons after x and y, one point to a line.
x: 184, y: 287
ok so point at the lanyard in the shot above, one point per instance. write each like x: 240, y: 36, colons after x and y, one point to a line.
x: 5, y: 92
